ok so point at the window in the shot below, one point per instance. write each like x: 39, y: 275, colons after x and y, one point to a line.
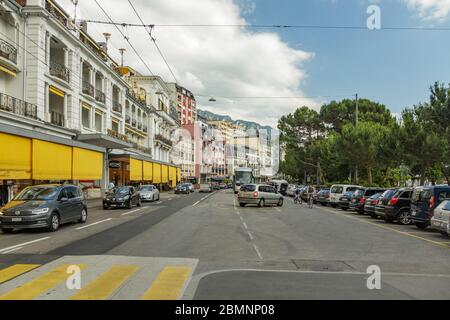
x: 86, y: 117
x: 115, y: 126
x: 443, y: 195
x: 98, y: 122
x: 446, y: 206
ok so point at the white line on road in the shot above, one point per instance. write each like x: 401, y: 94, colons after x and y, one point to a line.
x: 245, y: 225
x: 129, y: 212
x: 258, y: 252
x: 250, y: 235
x: 93, y: 224
x: 23, y: 244
x: 196, y: 203
x: 12, y: 250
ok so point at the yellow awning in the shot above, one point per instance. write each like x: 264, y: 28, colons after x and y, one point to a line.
x: 156, y: 173
x: 10, y: 72
x: 87, y: 164
x: 148, y: 171
x: 56, y: 91
x: 173, y: 176
x: 51, y: 161
x: 164, y: 173
x: 178, y: 175
x: 15, y: 157
x: 135, y: 170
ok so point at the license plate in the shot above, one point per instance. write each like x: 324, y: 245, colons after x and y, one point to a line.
x: 16, y: 219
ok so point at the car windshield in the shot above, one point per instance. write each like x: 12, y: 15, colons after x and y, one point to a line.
x: 337, y: 189
x: 146, y: 188
x: 121, y: 190
x: 37, y: 193
x: 359, y: 193
x: 248, y: 188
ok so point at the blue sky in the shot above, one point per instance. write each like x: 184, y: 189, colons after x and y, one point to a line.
x: 395, y: 68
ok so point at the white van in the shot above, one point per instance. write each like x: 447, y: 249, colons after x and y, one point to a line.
x: 338, y: 190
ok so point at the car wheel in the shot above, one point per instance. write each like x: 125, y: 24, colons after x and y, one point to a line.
x: 280, y: 202
x: 105, y: 207
x: 334, y: 206
x: 242, y: 204
x: 421, y: 225
x: 443, y: 233
x: 139, y: 204
x: 53, y: 222
x: 404, y: 218
x: 262, y: 203
x: 83, y: 217
x: 344, y: 208
x: 7, y: 231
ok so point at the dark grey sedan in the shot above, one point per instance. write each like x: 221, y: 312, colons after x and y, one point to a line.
x: 44, y: 206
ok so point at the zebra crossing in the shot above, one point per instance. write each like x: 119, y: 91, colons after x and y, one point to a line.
x: 98, y: 278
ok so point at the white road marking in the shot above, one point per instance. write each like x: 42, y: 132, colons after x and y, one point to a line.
x: 245, y: 225
x: 169, y: 199
x: 258, y: 252
x: 129, y: 212
x: 93, y: 224
x: 196, y: 203
x: 159, y: 202
x: 12, y: 250
x: 23, y: 244
x: 250, y: 235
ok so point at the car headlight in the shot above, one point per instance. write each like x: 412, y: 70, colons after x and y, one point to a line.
x: 40, y: 211
x: 1, y: 213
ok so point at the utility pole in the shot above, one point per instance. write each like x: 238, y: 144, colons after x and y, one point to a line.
x: 357, y: 120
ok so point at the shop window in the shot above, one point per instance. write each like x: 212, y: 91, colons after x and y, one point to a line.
x: 86, y: 117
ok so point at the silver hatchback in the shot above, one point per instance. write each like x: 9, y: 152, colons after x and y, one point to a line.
x: 260, y: 195
x: 441, y: 218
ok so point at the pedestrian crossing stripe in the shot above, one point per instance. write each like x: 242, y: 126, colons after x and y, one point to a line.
x: 15, y: 271
x: 169, y: 284
x: 40, y: 285
x: 105, y: 285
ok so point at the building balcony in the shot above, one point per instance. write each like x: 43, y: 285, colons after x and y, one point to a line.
x: 57, y: 118
x: 8, y: 51
x: 88, y: 88
x: 100, y: 96
x: 164, y: 140
x: 117, y: 107
x: 60, y: 71
x: 133, y: 122
x: 144, y: 128
x: 19, y: 107
x: 142, y: 148
x: 56, y: 13
x: 128, y: 119
x: 139, y: 125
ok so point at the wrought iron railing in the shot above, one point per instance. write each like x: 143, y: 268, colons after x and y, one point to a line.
x: 128, y: 119
x: 100, y: 96
x: 19, y: 107
x: 139, y: 125
x: 56, y: 13
x: 57, y: 118
x: 133, y: 122
x: 117, y: 107
x: 60, y: 71
x: 141, y: 148
x: 8, y: 51
x: 161, y: 138
x: 88, y: 88
x: 117, y: 135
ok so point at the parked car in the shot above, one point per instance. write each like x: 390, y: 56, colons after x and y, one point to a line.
x: 191, y: 187
x: 44, y: 206
x: 182, y: 188
x: 441, y: 219
x: 344, y: 201
x: 316, y: 193
x: 398, y: 207
x: 281, y: 186
x: 291, y: 190
x: 215, y: 186
x: 424, y: 201
x: 126, y: 196
x: 338, y: 190
x: 149, y: 193
x: 371, y: 203
x: 259, y: 194
x: 383, y: 202
x: 205, y: 188
x: 323, y: 197
x: 360, y: 197
x: 222, y: 185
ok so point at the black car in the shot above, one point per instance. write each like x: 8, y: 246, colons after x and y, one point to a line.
x: 399, y: 207
x: 344, y: 201
x: 44, y: 206
x: 383, y: 202
x: 371, y: 203
x: 126, y: 196
x: 323, y: 197
x: 360, y: 197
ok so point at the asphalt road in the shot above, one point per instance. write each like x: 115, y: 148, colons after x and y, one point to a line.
x: 205, y: 247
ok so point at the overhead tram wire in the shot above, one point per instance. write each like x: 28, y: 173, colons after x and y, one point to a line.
x: 275, y: 97
x: 125, y: 37
x: 269, y: 26
x: 153, y: 39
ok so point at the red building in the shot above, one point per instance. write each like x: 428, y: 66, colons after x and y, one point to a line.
x: 186, y: 105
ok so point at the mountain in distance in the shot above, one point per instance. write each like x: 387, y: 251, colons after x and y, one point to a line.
x: 246, y: 124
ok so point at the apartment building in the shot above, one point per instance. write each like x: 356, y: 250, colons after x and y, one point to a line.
x: 67, y: 109
x: 185, y: 103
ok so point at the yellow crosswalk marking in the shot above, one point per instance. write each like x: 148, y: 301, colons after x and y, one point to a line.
x: 15, y: 271
x: 40, y: 285
x: 105, y: 285
x: 168, y: 284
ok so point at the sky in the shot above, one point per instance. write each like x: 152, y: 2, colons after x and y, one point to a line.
x: 261, y: 74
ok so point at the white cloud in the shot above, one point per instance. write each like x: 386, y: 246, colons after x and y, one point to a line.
x: 430, y: 9
x: 230, y: 62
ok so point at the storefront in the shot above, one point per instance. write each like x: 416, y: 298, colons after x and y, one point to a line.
x: 126, y: 169
x: 30, y: 158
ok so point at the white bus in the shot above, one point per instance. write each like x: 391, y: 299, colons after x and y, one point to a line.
x: 242, y: 176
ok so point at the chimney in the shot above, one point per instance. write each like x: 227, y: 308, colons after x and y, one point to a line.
x: 107, y: 36
x: 84, y: 26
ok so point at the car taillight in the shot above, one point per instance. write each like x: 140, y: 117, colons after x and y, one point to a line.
x: 376, y: 202
x: 432, y: 202
x: 393, y: 201
x: 255, y: 194
x: 362, y: 200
